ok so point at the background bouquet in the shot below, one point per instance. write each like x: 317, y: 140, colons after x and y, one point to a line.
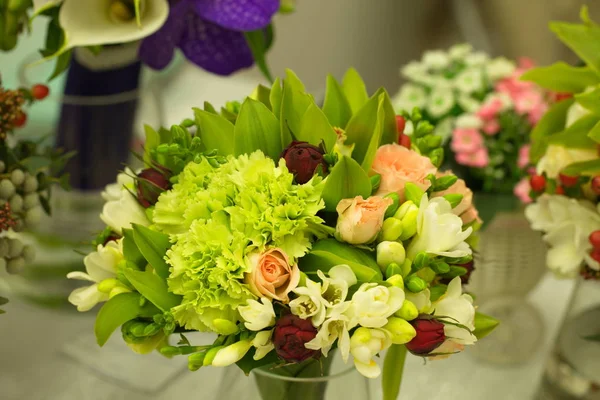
x: 482, y: 111
x: 289, y: 229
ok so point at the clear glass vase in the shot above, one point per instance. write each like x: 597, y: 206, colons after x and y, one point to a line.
x: 573, y: 369
x: 326, y: 379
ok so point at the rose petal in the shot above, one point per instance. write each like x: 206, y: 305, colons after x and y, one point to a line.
x: 238, y: 15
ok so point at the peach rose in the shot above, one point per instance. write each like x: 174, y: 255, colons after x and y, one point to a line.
x: 398, y: 165
x: 465, y: 209
x: 272, y: 276
x: 359, y: 221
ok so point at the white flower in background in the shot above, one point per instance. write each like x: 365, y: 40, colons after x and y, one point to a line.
x: 335, y: 327
x: 421, y: 300
x: 475, y: 59
x: 575, y: 112
x: 258, y: 316
x: 444, y: 129
x: 365, y: 344
x: 263, y: 344
x: 440, y: 102
x: 95, y: 22
x: 469, y: 81
x: 455, y: 307
x: 409, y: 97
x: 334, y: 288
x: 558, y: 157
x: 460, y: 51
x: 467, y: 121
x: 372, y: 304
x: 548, y: 212
x: 99, y: 265
x: 439, y: 231
x: 413, y: 70
x: 120, y: 214
x: 113, y: 191
x: 436, y: 59
x: 468, y: 103
x: 309, y: 303
x: 499, y: 68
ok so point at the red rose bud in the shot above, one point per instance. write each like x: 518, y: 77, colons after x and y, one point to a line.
x: 595, y: 254
x: 400, y: 124
x: 20, y: 120
x: 290, y: 336
x: 594, y: 239
x: 430, y: 335
x: 568, y: 181
x: 150, y: 184
x: 39, y: 92
x: 596, y: 185
x: 538, y: 183
x: 113, y: 237
x: 303, y: 159
x: 404, y: 141
x: 559, y: 190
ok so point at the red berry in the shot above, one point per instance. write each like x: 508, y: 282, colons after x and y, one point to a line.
x: 538, y: 183
x: 400, y: 124
x: 595, y: 254
x: 404, y: 141
x: 20, y: 120
x: 594, y: 239
x: 568, y: 181
x: 596, y: 185
x: 559, y: 190
x: 39, y: 92
x: 560, y: 96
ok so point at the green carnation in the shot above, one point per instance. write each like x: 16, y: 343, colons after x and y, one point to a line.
x: 217, y: 216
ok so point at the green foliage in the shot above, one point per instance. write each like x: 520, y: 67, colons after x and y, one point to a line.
x: 355, y: 90
x: 584, y: 40
x: 258, y: 42
x: 552, y: 122
x: 153, y: 287
x: 393, y: 368
x: 576, y: 135
x: 153, y: 246
x: 215, y: 131
x: 257, y: 129
x: 484, y: 325
x: 336, y: 105
x: 346, y: 180
x: 590, y: 100
x: 562, y: 77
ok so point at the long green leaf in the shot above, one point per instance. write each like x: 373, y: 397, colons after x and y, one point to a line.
x: 587, y: 168
x: 553, y: 121
x: 275, y: 97
x: 484, y: 325
x: 263, y: 94
x: 319, y: 260
x: 216, y: 132
x: 576, y: 135
x: 257, y: 129
x: 153, y: 287
x: 346, y: 180
x: 562, y: 77
x: 294, y: 104
x: 316, y: 128
x: 118, y: 310
x: 153, y: 245
x: 593, y: 338
x: 584, y: 40
x: 590, y: 100
x: 257, y: 42
x: 361, y: 128
x: 355, y: 90
x: 152, y: 141
x: 336, y: 105
x: 390, y: 129
x: 393, y: 369
x: 375, y: 138
x: 594, y: 133
x: 130, y: 249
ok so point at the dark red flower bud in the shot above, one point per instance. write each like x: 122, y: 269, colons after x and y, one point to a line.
x: 560, y: 96
x: 568, y: 181
x: 596, y: 185
x: 538, y: 183
x: 151, y: 183
x: 302, y: 160
x: 39, y: 91
x: 430, y: 335
x: 595, y: 254
x: 470, y: 267
x: 290, y: 336
x: 113, y: 237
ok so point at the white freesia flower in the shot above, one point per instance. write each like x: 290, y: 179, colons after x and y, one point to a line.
x: 460, y: 51
x: 309, y: 303
x: 120, y: 214
x: 334, y: 288
x: 504, y: 98
x: 469, y: 81
x: 263, y: 344
x: 548, y: 212
x: 499, y: 68
x: 95, y: 22
x: 258, y: 316
x: 469, y: 121
x: 440, y: 102
x: 232, y: 353
x: 558, y: 157
x: 99, y: 265
x: 372, y: 304
x: 335, y: 327
x: 409, y: 97
x: 365, y: 344
x: 421, y: 300
x: 455, y: 307
x: 436, y: 59
x: 113, y: 191
x: 439, y: 231
x: 478, y: 58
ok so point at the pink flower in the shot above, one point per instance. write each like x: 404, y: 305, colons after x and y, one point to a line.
x: 466, y: 140
x: 526, y: 63
x: 465, y: 209
x: 527, y: 101
x: 359, y: 221
x: 477, y: 159
x: 522, y: 190
x: 523, y: 156
x: 491, y: 127
x: 397, y: 165
x: 490, y: 109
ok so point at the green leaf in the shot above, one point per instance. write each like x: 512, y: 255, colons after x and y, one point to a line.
x: 118, y: 310
x: 153, y: 287
x: 3, y: 301
x: 216, y: 132
x: 61, y: 65
x: 262, y: 94
x: 257, y: 129
x: 275, y: 97
x: 355, y: 90
x: 336, y: 106
x: 584, y: 40
x: 34, y: 164
x: 576, y: 135
x: 562, y: 77
x: 258, y: 46
x: 393, y: 369
x: 586, y: 168
x: 593, y: 338
x: 346, y: 180
x: 553, y: 121
x: 413, y: 193
x: 152, y: 141
x: 375, y: 138
x: 390, y: 129
x: 210, y: 108
x: 590, y: 100
x: 294, y: 104
x: 484, y: 325
x: 153, y: 245
x: 130, y: 250
x: 316, y: 128
x: 594, y: 133
x: 248, y: 363
x: 328, y: 253
x: 362, y: 127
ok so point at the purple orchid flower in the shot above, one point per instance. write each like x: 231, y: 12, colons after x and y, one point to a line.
x: 210, y: 33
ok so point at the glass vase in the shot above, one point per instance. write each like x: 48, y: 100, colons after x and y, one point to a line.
x: 326, y: 379
x: 573, y: 369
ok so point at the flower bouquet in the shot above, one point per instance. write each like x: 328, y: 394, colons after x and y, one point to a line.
x: 288, y: 230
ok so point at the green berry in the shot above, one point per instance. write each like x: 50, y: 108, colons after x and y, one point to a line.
x: 15, y: 265
x: 28, y: 253
x: 19, y: 225
x: 3, y: 247
x: 16, y: 203
x: 15, y: 248
x: 33, y: 216
x: 31, y: 200
x: 7, y: 189
x: 31, y: 184
x: 2, y: 166
x: 17, y: 177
